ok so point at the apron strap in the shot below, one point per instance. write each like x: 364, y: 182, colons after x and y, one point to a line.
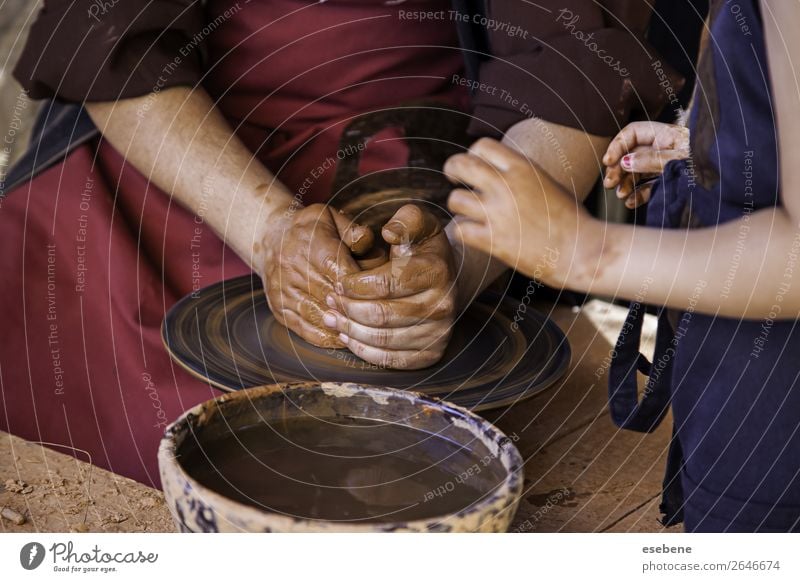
x: 627, y: 411
x: 644, y: 415
x: 671, y: 505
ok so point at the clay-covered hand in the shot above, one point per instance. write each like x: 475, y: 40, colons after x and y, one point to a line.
x: 641, y: 150
x: 303, y: 262
x: 514, y: 210
x: 400, y: 314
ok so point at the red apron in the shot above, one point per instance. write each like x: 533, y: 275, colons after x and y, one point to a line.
x: 93, y: 254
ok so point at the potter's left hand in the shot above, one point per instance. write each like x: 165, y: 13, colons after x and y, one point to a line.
x: 399, y: 315
x: 515, y: 211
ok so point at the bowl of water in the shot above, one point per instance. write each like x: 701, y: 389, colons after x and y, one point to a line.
x: 311, y: 457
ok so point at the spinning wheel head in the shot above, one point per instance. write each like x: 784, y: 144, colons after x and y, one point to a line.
x: 226, y: 335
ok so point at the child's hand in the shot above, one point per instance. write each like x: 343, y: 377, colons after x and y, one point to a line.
x: 639, y: 151
x: 514, y: 210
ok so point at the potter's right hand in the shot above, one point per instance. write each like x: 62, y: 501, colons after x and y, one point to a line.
x: 303, y: 262
x: 400, y: 314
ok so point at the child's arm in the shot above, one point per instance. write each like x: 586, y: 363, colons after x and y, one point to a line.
x: 523, y: 217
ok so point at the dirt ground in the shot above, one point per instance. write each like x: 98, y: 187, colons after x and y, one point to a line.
x: 56, y: 492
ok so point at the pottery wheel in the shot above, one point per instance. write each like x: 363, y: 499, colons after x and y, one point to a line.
x: 226, y: 335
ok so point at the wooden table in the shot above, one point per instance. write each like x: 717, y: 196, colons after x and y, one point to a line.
x: 582, y: 473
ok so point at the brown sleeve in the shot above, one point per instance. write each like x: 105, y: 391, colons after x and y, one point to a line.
x: 573, y: 62
x: 103, y: 50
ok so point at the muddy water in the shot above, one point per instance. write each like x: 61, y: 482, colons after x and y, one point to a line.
x: 346, y: 469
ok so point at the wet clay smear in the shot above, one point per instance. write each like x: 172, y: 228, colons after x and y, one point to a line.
x: 342, y: 470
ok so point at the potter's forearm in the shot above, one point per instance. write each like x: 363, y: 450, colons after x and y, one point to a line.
x: 570, y: 156
x: 180, y: 140
x: 743, y: 268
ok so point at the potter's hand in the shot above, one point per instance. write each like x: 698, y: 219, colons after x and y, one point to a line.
x: 514, y: 210
x: 304, y: 260
x: 399, y: 315
x: 642, y: 149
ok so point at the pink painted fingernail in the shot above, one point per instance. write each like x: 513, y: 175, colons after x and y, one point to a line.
x: 344, y: 338
x: 626, y: 161
x: 339, y: 288
x: 330, y: 301
x: 329, y: 319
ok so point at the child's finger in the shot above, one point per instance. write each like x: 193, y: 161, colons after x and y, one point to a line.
x: 614, y: 175
x: 674, y: 138
x: 639, y: 197
x: 474, y: 234
x: 626, y: 186
x: 473, y: 171
x: 650, y: 161
x: 634, y: 134
x: 468, y: 204
x: 497, y: 154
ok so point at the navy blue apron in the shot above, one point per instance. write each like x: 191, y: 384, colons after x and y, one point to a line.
x: 734, y: 459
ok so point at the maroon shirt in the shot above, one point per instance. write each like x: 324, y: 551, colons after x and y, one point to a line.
x: 580, y: 63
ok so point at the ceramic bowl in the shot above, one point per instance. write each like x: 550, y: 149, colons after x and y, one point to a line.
x: 196, y: 508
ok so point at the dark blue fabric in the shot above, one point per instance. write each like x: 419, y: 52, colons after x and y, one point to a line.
x: 735, y: 460
x: 60, y: 128
x: 626, y: 410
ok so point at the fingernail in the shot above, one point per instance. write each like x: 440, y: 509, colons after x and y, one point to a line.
x: 329, y: 319
x: 626, y: 161
x: 339, y: 288
x: 344, y: 338
x: 395, y: 227
x: 330, y: 301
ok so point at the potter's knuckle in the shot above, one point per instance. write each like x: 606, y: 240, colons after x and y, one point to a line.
x: 279, y: 316
x: 358, y: 349
x: 442, y: 308
x: 378, y: 314
x: 277, y: 301
x: 437, y: 263
x: 382, y: 337
x: 328, y: 262
x: 382, y: 285
x: 420, y: 266
x: 313, y: 211
x: 447, y: 305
